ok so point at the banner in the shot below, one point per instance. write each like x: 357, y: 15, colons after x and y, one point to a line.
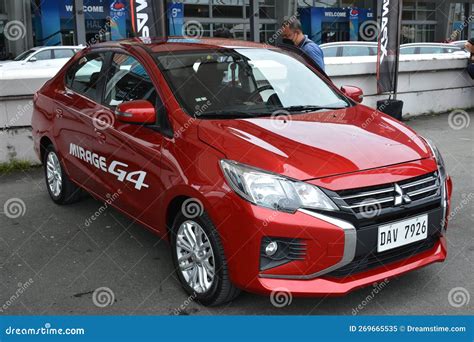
x: 148, y: 18
x: 238, y: 328
x: 389, y: 46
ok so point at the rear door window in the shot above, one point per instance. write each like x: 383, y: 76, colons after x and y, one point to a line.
x: 85, y: 76
x: 43, y: 55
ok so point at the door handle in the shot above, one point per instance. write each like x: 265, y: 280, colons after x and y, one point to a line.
x: 59, y: 113
x: 100, y: 135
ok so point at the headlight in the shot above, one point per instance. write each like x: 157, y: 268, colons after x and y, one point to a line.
x: 274, y: 191
x: 439, y: 159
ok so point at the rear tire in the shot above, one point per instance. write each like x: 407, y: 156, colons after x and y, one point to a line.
x: 207, y: 256
x: 60, y: 188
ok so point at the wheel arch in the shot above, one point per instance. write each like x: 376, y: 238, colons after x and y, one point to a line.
x: 175, y: 203
x: 45, y: 141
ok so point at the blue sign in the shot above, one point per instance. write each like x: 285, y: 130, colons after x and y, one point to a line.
x: 93, y: 9
x: 175, y: 18
x: 312, y: 19
x: 100, y: 16
x: 118, y: 19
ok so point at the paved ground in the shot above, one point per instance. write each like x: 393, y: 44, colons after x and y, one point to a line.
x: 51, y: 261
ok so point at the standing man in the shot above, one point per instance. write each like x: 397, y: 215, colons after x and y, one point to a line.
x: 292, y: 30
x: 470, y: 48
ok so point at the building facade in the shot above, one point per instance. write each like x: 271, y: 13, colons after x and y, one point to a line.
x: 27, y: 23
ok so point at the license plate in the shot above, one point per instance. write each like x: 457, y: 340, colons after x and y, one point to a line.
x: 402, y: 233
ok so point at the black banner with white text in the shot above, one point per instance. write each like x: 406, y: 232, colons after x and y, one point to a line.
x: 148, y: 18
x: 388, y: 46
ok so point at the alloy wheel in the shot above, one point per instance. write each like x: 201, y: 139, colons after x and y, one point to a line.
x: 54, y: 175
x: 195, y: 256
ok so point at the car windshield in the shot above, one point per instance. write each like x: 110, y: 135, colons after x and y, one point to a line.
x: 24, y: 55
x: 246, y: 82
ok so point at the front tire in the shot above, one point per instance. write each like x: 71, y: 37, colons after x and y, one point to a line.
x: 199, y: 260
x: 60, y: 188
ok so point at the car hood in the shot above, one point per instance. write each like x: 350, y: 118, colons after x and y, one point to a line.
x: 316, y: 145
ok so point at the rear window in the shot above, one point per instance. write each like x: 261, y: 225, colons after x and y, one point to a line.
x: 84, y: 77
x: 63, y: 53
x: 330, y: 51
x: 354, y: 51
x: 408, y: 51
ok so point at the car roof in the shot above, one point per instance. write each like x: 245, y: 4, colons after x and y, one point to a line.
x: 428, y: 44
x: 36, y: 48
x: 346, y: 43
x: 174, y: 44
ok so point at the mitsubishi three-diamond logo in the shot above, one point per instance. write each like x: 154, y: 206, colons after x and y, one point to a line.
x: 400, y: 196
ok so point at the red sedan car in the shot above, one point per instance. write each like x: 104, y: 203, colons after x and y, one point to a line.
x: 261, y: 174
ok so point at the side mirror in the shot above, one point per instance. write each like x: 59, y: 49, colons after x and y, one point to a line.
x: 354, y: 93
x: 32, y: 59
x: 136, y: 112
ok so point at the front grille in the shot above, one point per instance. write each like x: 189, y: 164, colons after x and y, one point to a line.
x: 372, y: 200
x: 374, y: 259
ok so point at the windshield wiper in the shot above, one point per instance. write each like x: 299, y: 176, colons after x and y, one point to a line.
x: 310, y: 108
x: 229, y: 114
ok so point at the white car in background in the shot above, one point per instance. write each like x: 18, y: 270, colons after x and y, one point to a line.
x: 430, y: 48
x: 460, y: 44
x: 359, y: 49
x: 349, y: 49
x: 49, y: 57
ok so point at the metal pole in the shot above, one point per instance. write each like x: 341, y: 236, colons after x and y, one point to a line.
x: 254, y: 21
x: 161, y: 19
x: 397, y: 62
x: 467, y: 26
x: 79, y: 22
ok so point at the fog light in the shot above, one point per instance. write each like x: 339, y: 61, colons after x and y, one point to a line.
x: 271, y: 248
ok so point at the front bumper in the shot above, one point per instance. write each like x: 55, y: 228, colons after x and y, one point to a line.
x: 338, y: 287
x: 335, y: 248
